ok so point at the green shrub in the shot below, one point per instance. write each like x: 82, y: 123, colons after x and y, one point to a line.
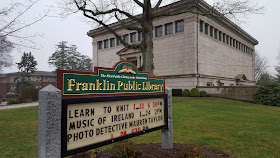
x: 186, y: 93
x: 203, y: 93
x: 87, y: 154
x: 12, y: 101
x: 6, y: 99
x: 29, y: 92
x: 192, y: 151
x: 195, y: 92
x: 268, y: 94
x: 176, y: 92
x: 124, y: 149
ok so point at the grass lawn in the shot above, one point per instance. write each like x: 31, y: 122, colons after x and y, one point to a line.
x: 237, y: 128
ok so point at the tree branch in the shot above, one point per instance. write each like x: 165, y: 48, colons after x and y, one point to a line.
x: 15, y: 30
x: 133, y: 46
x: 20, y: 14
x: 139, y: 3
x: 157, y: 5
x: 6, y: 11
x: 83, y: 8
x: 127, y: 27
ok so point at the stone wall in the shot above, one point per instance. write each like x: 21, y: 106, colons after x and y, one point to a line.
x: 245, y: 93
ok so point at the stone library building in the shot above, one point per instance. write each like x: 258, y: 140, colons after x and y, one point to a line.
x: 189, y: 50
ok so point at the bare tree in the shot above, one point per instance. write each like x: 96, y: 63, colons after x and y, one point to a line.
x: 237, y: 9
x: 260, y: 66
x: 123, y: 11
x: 5, y: 52
x: 277, y: 68
x: 11, y: 24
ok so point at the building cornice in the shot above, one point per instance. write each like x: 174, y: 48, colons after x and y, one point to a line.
x: 177, y: 6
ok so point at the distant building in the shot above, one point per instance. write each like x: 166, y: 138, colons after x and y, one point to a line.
x: 189, y: 50
x: 39, y: 79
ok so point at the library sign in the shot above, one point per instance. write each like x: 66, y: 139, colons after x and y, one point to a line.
x: 109, y: 105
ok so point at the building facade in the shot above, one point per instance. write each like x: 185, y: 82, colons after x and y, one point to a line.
x: 39, y: 79
x: 189, y: 50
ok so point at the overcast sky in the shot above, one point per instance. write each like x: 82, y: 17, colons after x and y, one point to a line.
x: 265, y: 28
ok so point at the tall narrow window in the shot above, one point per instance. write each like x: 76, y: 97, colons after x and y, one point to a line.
x: 224, y: 37
x: 233, y: 43
x: 206, y: 28
x: 140, y: 36
x: 201, y: 26
x: 133, y: 37
x: 112, y: 42
x: 106, y: 44
x: 179, y: 26
x: 230, y: 41
x: 99, y: 44
x: 125, y: 38
x: 236, y: 46
x: 211, y: 31
x: 227, y: 39
x: 118, y: 42
x: 216, y: 33
x: 168, y: 28
x: 220, y: 35
x: 158, y: 31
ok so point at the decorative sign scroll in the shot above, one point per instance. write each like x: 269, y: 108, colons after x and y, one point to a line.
x: 123, y: 79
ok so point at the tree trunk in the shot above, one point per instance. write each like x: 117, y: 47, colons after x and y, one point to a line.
x: 147, y: 45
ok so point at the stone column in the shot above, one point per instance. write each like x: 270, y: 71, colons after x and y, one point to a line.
x: 49, y: 125
x: 167, y: 134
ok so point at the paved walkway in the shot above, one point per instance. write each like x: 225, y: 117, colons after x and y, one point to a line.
x: 18, y: 105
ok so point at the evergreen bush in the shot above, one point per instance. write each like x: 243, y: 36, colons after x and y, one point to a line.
x: 12, y: 101
x: 268, y: 94
x: 186, y: 93
x: 30, y: 93
x: 195, y: 92
x: 203, y: 93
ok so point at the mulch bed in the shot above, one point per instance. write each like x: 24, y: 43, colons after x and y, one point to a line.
x: 155, y: 151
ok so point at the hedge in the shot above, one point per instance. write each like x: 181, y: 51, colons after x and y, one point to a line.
x: 176, y: 92
x: 195, y: 92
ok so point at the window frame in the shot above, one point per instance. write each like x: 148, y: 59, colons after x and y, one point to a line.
x: 140, y: 36
x: 133, y: 40
x: 106, y: 44
x: 114, y: 42
x: 100, y: 45
x: 216, y: 33
x: 124, y: 38
x: 206, y: 30
x: 166, y: 30
x: 201, y: 25
x: 176, y: 25
x: 156, y: 31
x: 211, y: 31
